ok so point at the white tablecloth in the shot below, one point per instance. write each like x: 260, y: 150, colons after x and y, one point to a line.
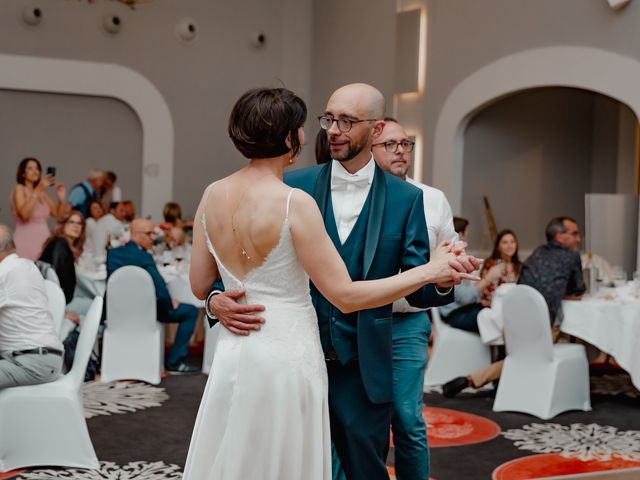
x: 612, y: 325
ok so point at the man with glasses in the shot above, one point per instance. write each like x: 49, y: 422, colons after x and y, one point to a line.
x: 411, y: 327
x: 136, y: 253
x: 376, y: 222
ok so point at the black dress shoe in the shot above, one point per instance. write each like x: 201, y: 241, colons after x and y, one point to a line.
x: 455, y: 386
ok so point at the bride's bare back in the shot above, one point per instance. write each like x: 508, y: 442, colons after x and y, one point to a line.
x: 244, y: 217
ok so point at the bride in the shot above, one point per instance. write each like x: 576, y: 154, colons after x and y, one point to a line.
x: 264, y: 413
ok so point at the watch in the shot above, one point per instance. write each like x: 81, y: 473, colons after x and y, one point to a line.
x: 209, y: 313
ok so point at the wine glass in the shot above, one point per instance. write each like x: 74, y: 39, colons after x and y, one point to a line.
x: 178, y: 255
x: 619, y: 277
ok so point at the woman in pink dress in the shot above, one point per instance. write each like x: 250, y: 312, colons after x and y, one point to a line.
x: 32, y: 206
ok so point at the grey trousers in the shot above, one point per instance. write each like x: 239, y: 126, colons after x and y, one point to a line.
x: 28, y: 369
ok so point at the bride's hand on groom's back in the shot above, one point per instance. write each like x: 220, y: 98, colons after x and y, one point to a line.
x: 236, y: 317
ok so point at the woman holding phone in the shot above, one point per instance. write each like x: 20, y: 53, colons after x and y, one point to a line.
x: 32, y: 206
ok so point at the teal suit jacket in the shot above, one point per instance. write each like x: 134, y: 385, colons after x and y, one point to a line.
x: 396, y: 239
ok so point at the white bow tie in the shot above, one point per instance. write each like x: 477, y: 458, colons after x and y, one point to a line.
x: 342, y: 178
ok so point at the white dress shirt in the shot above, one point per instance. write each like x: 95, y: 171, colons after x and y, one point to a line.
x: 439, y: 218
x: 25, y: 320
x: 348, y: 193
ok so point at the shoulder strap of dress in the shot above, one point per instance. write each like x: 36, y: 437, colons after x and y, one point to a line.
x: 286, y: 215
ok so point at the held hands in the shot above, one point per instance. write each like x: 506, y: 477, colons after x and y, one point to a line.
x: 450, y: 264
x: 495, y: 272
x: 235, y: 317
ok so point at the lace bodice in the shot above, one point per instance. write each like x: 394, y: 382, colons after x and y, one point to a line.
x: 279, y: 278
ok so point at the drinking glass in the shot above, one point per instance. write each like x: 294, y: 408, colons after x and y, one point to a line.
x: 619, y: 277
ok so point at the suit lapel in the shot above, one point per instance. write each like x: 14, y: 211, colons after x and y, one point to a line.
x: 322, y: 189
x: 374, y: 223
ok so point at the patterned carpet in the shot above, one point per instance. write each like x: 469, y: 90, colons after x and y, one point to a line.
x: 141, y: 432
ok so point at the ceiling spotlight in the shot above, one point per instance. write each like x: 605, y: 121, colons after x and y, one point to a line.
x: 112, y: 24
x: 186, y: 30
x: 32, y: 15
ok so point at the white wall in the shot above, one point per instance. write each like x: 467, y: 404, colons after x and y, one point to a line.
x: 200, y: 81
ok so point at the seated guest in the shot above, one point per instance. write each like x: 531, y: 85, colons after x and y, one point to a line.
x: 461, y: 226
x: 110, y: 192
x: 504, y: 257
x: 135, y: 252
x: 555, y: 270
x: 130, y: 211
x: 173, y: 225
x: 82, y: 194
x: 63, y: 249
x: 30, y: 352
x: 96, y: 211
x: 109, y: 228
x: 503, y: 266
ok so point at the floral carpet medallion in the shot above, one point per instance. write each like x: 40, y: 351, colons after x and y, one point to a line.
x: 584, y: 442
x: 120, y: 397
x: 446, y: 428
x: 547, y: 465
x: 111, y: 471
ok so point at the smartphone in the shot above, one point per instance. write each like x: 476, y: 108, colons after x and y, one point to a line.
x: 51, y: 171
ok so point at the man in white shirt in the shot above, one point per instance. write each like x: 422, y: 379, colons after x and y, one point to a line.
x: 411, y: 327
x: 30, y: 351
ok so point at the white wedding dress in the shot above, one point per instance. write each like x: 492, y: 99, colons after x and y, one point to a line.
x: 264, y: 412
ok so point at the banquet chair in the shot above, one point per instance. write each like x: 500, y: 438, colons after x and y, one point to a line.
x: 210, y: 341
x: 57, y: 304
x: 133, y: 341
x: 45, y: 424
x: 455, y: 353
x: 539, y: 378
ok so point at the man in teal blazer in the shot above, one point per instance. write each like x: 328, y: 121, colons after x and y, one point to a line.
x: 378, y: 225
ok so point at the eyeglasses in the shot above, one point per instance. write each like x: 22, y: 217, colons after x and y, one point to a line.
x: 344, y: 124
x: 74, y: 222
x: 392, y: 146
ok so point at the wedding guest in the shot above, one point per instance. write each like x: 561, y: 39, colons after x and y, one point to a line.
x: 136, y: 252
x: 32, y: 207
x: 503, y: 266
x: 82, y: 194
x: 172, y: 214
x: 96, y: 211
x: 555, y: 270
x: 30, y: 351
x: 461, y: 226
x: 110, y: 192
x: 411, y: 327
x: 505, y: 257
x: 129, y: 209
x: 63, y: 249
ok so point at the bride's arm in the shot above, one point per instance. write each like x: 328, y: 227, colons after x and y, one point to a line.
x: 329, y: 274
x: 203, y: 270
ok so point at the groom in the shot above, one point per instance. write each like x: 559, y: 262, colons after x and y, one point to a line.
x: 377, y: 223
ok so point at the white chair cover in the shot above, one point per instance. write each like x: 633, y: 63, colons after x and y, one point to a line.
x: 538, y: 377
x: 45, y: 424
x: 133, y: 342
x: 455, y: 353
x: 57, y: 304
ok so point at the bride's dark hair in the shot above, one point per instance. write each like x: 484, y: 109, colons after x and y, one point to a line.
x: 263, y: 119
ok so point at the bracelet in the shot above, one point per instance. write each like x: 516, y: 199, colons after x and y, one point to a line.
x: 209, y: 313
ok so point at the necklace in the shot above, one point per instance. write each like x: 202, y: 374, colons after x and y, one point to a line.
x: 243, y: 250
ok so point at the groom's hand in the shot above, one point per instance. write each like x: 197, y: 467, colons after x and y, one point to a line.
x: 235, y: 317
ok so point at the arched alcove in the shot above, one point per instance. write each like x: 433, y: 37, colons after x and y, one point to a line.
x: 580, y: 67
x: 34, y: 74
x: 535, y: 154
